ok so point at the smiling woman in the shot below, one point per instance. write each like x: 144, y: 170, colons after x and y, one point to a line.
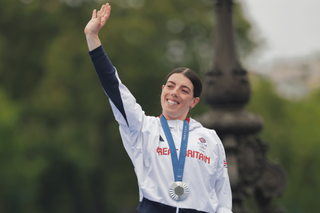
x: 180, y: 165
x: 180, y: 93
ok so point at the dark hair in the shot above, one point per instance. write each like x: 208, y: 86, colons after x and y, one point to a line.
x: 192, y: 76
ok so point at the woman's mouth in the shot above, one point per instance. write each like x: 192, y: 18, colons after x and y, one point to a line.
x: 171, y: 102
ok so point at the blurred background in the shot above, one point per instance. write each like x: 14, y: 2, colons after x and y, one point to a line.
x: 60, y: 150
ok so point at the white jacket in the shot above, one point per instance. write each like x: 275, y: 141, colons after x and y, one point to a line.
x: 145, y: 142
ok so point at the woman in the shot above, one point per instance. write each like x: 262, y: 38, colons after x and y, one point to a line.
x: 193, y: 177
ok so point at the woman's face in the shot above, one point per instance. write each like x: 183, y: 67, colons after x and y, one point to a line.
x: 177, y: 97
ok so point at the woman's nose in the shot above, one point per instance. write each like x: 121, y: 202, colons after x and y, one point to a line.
x: 174, y: 93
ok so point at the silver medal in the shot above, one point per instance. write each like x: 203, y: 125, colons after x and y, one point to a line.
x: 179, y: 191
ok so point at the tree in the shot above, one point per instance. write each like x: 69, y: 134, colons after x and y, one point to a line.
x: 291, y: 130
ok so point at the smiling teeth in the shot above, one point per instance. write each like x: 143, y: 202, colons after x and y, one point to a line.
x: 171, y: 102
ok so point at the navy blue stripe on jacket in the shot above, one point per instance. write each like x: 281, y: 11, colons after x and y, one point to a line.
x: 106, y: 73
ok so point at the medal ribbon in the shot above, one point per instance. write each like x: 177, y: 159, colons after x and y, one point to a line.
x: 177, y: 164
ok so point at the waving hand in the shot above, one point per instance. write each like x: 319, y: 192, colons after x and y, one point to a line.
x: 98, y: 20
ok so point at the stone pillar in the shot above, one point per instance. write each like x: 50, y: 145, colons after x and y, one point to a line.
x: 227, y: 91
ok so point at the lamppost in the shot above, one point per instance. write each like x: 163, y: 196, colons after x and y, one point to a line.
x: 227, y: 91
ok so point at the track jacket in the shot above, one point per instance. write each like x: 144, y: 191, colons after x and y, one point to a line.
x: 205, y: 169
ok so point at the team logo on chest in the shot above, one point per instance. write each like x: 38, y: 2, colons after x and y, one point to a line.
x: 202, y: 144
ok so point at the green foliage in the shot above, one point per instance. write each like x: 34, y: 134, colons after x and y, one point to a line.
x: 291, y: 129
x: 60, y: 148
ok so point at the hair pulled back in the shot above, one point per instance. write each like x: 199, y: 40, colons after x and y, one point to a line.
x: 192, y: 76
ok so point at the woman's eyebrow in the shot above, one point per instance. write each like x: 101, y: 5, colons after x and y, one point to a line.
x: 186, y: 87
x: 172, y: 82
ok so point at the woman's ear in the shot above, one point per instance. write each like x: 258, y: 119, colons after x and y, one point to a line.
x: 195, y: 101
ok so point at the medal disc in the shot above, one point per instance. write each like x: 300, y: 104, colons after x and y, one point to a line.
x: 179, y: 191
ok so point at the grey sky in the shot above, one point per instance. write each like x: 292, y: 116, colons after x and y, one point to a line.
x: 290, y: 28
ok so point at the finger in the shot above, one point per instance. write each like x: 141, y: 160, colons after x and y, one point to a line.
x: 102, y: 9
x: 105, y: 9
x: 99, y: 15
x: 108, y: 11
x: 94, y: 14
x: 107, y: 6
x: 107, y: 14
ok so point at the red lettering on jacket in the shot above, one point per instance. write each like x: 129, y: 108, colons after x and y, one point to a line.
x: 196, y: 154
x: 159, y: 151
x: 165, y: 151
x: 201, y: 156
x: 207, y: 158
x: 189, y: 153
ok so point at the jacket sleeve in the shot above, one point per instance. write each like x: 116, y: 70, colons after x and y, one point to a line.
x: 223, y: 188
x: 127, y: 112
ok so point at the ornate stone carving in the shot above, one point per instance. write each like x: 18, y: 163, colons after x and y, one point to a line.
x: 227, y: 91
